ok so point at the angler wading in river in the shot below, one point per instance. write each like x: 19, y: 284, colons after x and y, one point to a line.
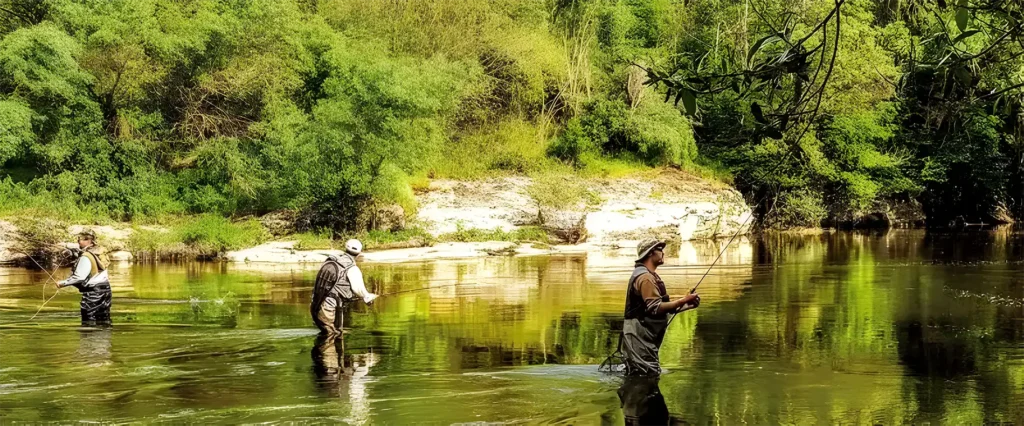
x: 90, y: 278
x: 338, y: 283
x: 648, y: 311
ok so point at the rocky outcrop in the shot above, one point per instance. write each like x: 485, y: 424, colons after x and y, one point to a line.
x: 611, y: 214
x: 8, y: 254
x: 672, y: 204
x: 568, y: 226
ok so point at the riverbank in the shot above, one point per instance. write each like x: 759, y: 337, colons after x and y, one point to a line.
x: 453, y: 219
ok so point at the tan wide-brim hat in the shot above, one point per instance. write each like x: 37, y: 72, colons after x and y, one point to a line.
x: 646, y: 246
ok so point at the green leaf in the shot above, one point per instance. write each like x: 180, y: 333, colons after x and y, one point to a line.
x: 758, y: 45
x: 962, y: 17
x: 700, y: 63
x: 755, y: 109
x: 689, y: 101
x: 964, y: 35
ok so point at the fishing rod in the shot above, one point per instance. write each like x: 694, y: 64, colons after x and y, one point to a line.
x: 694, y: 289
x: 419, y: 289
x: 607, y: 363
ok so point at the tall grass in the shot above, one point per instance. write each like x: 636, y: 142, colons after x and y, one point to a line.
x: 524, y: 234
x: 202, y: 236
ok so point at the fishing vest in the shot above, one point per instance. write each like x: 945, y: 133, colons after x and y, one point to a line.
x: 343, y: 287
x: 636, y: 307
x: 94, y: 261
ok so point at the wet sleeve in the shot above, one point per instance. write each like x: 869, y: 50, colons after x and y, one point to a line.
x: 649, y: 291
x: 81, y: 272
x: 355, y: 278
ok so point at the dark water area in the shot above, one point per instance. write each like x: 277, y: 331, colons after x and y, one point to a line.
x: 900, y: 327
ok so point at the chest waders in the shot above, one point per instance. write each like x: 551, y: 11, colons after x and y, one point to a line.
x: 642, y: 332
x: 96, y: 294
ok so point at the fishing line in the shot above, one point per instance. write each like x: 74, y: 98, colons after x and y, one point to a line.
x: 48, y: 273
x: 51, y: 278
x: 611, y: 359
x: 419, y: 289
x: 607, y: 364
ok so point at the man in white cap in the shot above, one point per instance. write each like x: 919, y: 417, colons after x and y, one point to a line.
x: 339, y: 281
x: 647, y: 311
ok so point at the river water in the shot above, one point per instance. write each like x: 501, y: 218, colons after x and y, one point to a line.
x: 842, y: 328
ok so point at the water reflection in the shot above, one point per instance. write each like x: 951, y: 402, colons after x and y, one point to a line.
x: 342, y: 375
x: 897, y: 327
x: 94, y: 346
x: 643, y: 403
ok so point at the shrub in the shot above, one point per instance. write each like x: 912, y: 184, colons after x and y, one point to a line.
x: 561, y: 191
x: 40, y: 239
x: 315, y: 240
x: 205, y: 235
x: 210, y: 233
x: 799, y: 208
x: 655, y: 133
x: 524, y: 234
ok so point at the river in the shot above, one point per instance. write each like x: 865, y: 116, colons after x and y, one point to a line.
x: 849, y: 328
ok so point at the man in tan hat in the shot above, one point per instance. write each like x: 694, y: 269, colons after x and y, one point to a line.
x: 648, y: 310
x: 90, y: 278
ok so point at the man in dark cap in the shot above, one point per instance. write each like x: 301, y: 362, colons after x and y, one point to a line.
x: 90, y: 278
x: 648, y: 311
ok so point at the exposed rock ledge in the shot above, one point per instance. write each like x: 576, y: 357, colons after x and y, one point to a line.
x: 672, y: 204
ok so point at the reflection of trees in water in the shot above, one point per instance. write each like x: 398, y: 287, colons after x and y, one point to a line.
x: 859, y: 323
x: 852, y: 324
x: 504, y: 311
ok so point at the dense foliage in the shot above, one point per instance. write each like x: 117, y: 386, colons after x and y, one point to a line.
x: 131, y: 109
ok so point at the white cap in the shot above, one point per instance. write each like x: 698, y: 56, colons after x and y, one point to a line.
x: 353, y: 247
